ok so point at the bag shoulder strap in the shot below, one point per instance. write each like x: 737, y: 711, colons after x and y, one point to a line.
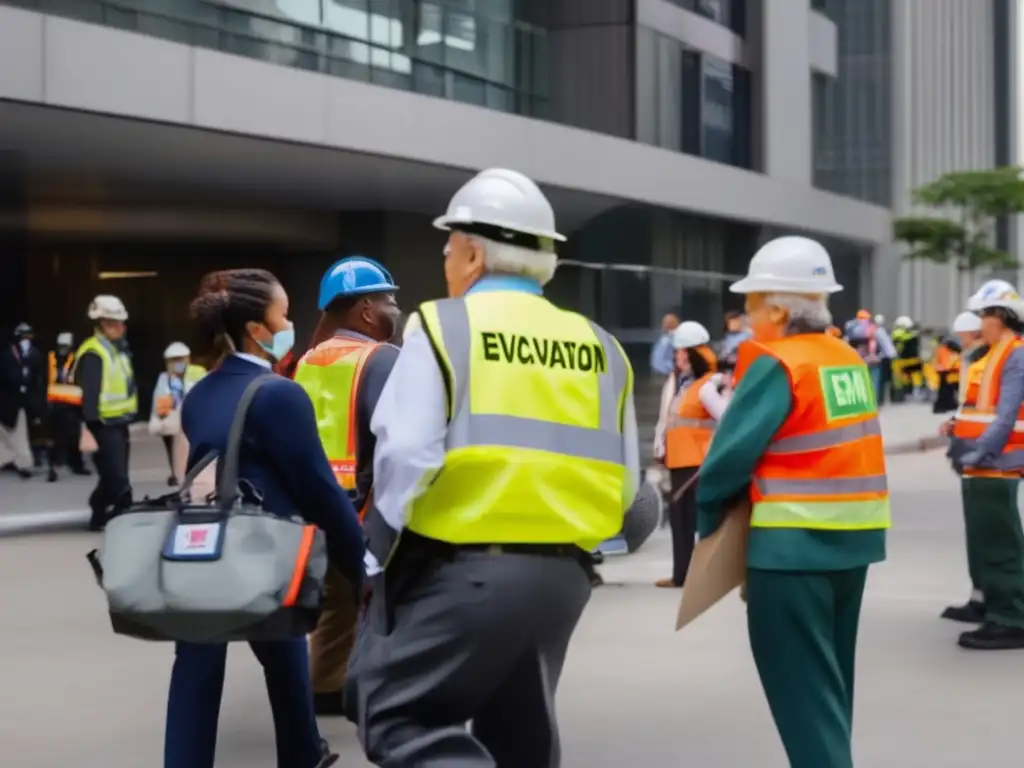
x: 227, y: 482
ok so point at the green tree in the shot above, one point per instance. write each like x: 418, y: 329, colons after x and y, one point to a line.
x: 972, y: 202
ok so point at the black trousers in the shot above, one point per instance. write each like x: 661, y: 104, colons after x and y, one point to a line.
x: 169, y: 447
x: 114, y: 487
x: 682, y: 517
x: 65, y: 434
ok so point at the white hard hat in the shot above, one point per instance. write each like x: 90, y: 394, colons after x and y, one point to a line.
x: 789, y: 265
x: 997, y: 294
x: 65, y: 339
x: 690, y: 334
x: 176, y: 349
x: 879, y: 319
x: 903, y: 322
x: 966, y: 322
x: 501, y: 198
x: 107, y: 307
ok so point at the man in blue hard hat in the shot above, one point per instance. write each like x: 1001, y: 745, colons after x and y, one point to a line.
x: 343, y: 373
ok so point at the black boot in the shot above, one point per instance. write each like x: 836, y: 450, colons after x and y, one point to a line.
x: 971, y: 612
x: 328, y: 704
x: 52, y: 476
x: 993, y: 637
x: 328, y: 758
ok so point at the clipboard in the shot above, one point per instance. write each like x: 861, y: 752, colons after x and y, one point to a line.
x: 718, y: 566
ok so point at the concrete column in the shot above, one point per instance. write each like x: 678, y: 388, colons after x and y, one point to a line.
x: 785, y: 89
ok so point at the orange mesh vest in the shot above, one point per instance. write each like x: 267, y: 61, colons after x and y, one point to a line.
x: 59, y: 388
x: 825, y: 466
x: 330, y: 374
x: 690, y: 428
x: 980, y: 396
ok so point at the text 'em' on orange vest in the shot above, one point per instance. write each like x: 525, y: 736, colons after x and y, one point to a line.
x: 825, y: 466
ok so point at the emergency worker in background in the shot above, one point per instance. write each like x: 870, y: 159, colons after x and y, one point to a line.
x: 691, y: 406
x: 109, y: 404
x: 344, y: 374
x: 907, y: 370
x: 988, y: 443
x: 802, y: 432
x: 967, y: 327
x: 65, y: 406
x: 506, y: 450
x: 947, y: 367
x: 173, y: 383
x: 860, y: 334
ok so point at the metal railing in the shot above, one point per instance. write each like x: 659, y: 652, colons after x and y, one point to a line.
x: 230, y: 29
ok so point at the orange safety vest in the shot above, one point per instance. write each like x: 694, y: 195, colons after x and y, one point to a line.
x: 62, y: 391
x: 690, y: 428
x: 330, y: 373
x: 825, y: 466
x: 978, y: 410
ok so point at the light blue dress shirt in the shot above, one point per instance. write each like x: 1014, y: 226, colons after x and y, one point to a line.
x: 886, y: 348
x: 410, y: 422
x: 663, y: 355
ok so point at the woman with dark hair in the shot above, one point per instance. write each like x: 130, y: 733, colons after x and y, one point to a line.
x: 244, y: 314
x: 695, y: 397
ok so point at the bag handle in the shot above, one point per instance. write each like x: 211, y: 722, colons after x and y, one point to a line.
x: 227, y: 483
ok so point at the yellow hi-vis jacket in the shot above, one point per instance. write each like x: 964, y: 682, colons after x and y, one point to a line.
x: 117, y: 399
x: 330, y: 374
x: 536, y: 397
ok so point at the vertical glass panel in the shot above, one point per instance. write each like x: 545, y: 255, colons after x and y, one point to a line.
x: 646, y: 86
x: 716, y: 112
x: 468, y: 89
x: 669, y: 93
x: 429, y: 33
x: 350, y: 18
x: 743, y: 145
x: 691, y: 93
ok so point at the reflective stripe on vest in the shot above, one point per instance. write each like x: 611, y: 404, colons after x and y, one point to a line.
x: 117, y: 400
x: 534, y: 447
x: 825, y: 467
x: 59, y: 388
x: 690, y: 428
x: 330, y: 375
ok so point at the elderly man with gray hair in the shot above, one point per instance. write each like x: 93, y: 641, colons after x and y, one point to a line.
x: 801, y: 440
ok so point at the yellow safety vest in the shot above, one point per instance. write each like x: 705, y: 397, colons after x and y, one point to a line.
x: 193, y: 373
x: 534, y: 448
x: 330, y: 375
x: 116, y: 399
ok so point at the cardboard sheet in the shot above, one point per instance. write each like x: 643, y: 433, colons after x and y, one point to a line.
x: 719, y: 565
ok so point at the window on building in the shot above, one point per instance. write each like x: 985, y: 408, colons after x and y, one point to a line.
x: 728, y: 13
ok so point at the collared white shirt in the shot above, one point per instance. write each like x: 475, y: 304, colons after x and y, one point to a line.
x: 410, y: 423
x: 262, y: 362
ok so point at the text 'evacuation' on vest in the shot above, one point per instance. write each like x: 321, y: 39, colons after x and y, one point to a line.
x: 552, y: 353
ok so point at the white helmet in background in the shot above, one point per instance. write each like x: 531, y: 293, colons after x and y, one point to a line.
x: 504, y: 199
x: 176, y: 349
x: 690, y: 334
x: 903, y: 322
x: 65, y: 339
x: 879, y: 319
x: 966, y: 322
x: 107, y: 307
x: 789, y: 264
x: 997, y: 294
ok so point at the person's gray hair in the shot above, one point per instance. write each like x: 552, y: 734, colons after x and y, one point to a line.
x: 505, y: 259
x: 806, y: 313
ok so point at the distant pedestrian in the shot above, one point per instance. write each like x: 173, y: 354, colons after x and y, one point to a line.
x: 663, y: 356
x: 20, y: 387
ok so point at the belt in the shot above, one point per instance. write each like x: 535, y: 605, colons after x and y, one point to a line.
x: 444, y: 549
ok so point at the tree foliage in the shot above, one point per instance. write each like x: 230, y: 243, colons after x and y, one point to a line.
x: 971, y: 202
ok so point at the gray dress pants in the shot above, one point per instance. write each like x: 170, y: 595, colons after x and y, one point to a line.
x: 481, y: 637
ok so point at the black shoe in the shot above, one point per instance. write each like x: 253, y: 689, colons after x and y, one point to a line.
x: 52, y: 476
x: 172, y: 481
x: 329, y: 704
x: 971, y: 612
x: 993, y: 637
x: 328, y: 758
x: 24, y: 474
x: 81, y: 471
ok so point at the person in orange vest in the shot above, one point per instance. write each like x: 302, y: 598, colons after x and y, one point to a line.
x: 988, y: 448
x: 344, y: 373
x: 65, y: 403
x: 801, y: 437
x: 947, y: 366
x: 693, y: 402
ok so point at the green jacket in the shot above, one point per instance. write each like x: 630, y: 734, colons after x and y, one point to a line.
x: 759, y: 407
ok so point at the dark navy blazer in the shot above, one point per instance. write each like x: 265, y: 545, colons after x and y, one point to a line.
x: 281, y: 455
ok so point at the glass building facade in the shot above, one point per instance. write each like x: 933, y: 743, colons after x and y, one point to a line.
x: 728, y: 13
x: 852, y: 113
x: 690, y: 101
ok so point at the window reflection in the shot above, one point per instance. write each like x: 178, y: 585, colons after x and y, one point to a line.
x: 716, y: 110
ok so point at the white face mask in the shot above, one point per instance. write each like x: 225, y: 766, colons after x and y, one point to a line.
x: 25, y: 345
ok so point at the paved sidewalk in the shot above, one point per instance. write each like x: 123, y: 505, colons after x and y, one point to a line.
x: 911, y: 427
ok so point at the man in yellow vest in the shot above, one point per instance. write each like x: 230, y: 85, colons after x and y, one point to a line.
x: 988, y: 446
x: 344, y: 374
x: 109, y: 404
x: 506, y: 451
x: 801, y: 439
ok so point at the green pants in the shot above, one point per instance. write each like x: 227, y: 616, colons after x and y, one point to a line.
x: 803, y: 633
x: 974, y: 569
x: 994, y: 529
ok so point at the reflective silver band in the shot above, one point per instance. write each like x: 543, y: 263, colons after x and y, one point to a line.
x: 469, y: 429
x: 832, y: 487
x: 679, y: 421
x: 816, y: 441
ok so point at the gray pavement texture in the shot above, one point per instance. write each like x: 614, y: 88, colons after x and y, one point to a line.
x: 634, y: 692
x: 35, y: 505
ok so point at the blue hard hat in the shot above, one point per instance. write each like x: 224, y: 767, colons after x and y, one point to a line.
x: 354, y: 276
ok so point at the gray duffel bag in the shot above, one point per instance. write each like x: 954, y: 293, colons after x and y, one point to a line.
x: 220, y: 570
